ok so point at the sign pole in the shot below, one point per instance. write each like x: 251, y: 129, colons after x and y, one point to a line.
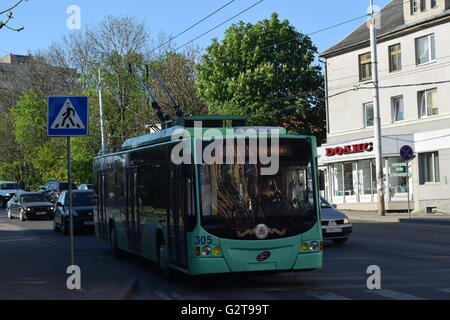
x: 407, y: 188
x: 69, y: 178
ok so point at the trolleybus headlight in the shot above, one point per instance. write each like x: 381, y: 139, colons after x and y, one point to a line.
x: 217, y: 251
x: 206, y: 251
x: 304, y: 247
x: 314, y: 246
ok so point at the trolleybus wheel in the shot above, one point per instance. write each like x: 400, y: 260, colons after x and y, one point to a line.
x: 168, y: 273
x: 115, y: 251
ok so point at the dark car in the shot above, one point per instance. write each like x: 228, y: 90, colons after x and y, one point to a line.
x: 30, y: 206
x: 82, y: 208
x: 336, y: 226
x: 54, y: 189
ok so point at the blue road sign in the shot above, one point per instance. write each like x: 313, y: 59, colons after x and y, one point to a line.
x: 68, y: 116
x: 407, y: 153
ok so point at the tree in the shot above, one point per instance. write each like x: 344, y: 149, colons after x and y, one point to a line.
x: 265, y: 71
x: 10, y: 16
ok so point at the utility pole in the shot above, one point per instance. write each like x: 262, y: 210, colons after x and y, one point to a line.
x: 102, y: 120
x: 377, y: 114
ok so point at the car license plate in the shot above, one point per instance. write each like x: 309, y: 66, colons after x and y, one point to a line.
x: 334, y: 230
x: 41, y: 213
x: 89, y: 223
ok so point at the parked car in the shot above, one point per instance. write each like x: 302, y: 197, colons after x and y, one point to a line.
x: 7, y: 191
x: 54, y: 189
x: 336, y: 225
x: 82, y: 208
x: 30, y: 206
x: 86, y: 187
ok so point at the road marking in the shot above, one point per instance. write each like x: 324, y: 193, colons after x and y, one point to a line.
x: 10, y: 227
x: 391, y: 294
x: 327, y: 296
x: 15, y: 240
x: 162, y: 295
x: 176, y: 296
x: 447, y: 290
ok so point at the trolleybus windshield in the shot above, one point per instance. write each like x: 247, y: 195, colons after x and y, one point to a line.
x: 236, y: 197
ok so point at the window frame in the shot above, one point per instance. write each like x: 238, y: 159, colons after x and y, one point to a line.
x: 414, y: 7
x: 394, y: 109
x: 363, y: 63
x: 423, y: 167
x: 366, y: 124
x: 431, y: 45
x: 393, y: 54
x: 420, y: 107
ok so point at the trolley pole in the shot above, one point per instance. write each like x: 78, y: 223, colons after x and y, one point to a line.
x: 377, y: 115
x: 102, y: 119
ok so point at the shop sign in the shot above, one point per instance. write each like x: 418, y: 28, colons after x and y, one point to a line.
x: 352, y: 149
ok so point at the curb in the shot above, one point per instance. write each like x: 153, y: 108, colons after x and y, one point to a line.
x: 426, y: 221
x: 132, y: 288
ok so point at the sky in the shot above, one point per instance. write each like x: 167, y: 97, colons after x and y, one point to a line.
x: 45, y: 21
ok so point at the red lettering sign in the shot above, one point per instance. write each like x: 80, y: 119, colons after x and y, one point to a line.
x: 356, y: 148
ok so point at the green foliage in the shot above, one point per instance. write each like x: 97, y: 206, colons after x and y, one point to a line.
x: 266, y: 71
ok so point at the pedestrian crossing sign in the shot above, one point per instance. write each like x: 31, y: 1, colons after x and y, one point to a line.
x: 68, y: 116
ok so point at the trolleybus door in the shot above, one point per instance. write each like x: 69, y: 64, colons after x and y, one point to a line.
x: 133, y: 220
x: 101, y: 209
x: 176, y: 230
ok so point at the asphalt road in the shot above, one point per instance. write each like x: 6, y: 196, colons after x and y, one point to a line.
x: 414, y: 261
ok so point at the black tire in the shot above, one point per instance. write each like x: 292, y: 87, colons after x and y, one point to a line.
x: 167, y: 272
x: 21, y: 216
x: 55, y: 226
x: 115, y: 251
x: 340, y: 242
x: 64, y: 229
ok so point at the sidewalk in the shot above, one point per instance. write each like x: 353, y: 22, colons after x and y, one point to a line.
x: 433, y: 219
x: 35, y: 269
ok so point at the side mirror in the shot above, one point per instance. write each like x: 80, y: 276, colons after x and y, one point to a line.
x: 321, y: 180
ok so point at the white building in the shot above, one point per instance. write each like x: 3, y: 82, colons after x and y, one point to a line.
x: 414, y: 71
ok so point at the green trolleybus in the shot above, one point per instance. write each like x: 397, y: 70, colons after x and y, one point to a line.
x: 201, y: 217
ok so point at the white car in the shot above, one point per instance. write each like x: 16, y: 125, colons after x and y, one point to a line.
x: 7, y: 191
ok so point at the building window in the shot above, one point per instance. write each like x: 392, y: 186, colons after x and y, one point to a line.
x: 399, y: 174
x: 428, y: 103
x: 366, y: 179
x: 423, y: 5
x: 398, y: 109
x: 425, y: 49
x: 337, y: 172
x: 369, y: 115
x: 429, y: 168
x: 414, y: 6
x: 433, y: 4
x: 395, y: 57
x: 365, y: 66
